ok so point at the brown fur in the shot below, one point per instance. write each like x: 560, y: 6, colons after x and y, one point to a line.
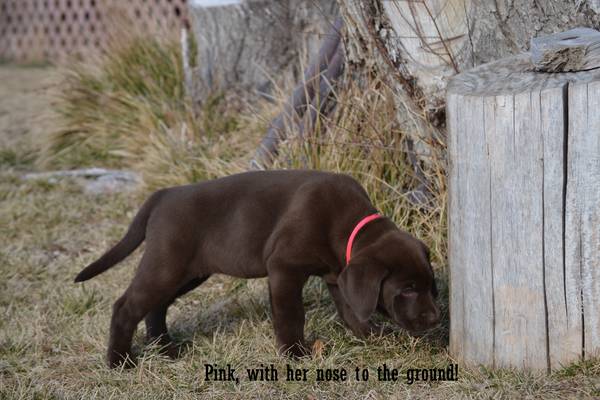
x: 287, y: 225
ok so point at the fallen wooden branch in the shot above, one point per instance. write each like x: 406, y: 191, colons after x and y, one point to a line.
x: 327, y: 83
x: 302, y: 96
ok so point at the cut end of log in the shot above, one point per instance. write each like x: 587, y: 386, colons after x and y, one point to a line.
x: 570, y: 51
x: 512, y: 75
x: 214, y: 3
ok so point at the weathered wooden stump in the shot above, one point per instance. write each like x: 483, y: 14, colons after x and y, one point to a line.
x: 524, y: 214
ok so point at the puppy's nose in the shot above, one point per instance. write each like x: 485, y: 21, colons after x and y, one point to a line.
x: 430, y: 318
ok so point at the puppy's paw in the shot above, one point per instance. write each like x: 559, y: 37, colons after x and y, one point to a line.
x: 165, y: 345
x: 364, y: 330
x: 171, y: 350
x: 116, y: 360
x: 296, y: 350
x: 378, y: 330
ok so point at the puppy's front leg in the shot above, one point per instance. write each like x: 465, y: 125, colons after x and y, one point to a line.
x: 285, y: 291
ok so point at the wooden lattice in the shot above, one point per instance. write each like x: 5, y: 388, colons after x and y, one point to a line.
x: 32, y: 30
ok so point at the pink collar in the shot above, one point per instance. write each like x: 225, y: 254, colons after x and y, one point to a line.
x: 357, y: 228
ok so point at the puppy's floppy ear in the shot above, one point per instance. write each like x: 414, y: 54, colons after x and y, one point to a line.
x: 434, y: 289
x: 360, y: 284
x: 426, y: 251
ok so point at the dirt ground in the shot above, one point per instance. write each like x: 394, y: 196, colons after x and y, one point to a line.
x: 24, y: 102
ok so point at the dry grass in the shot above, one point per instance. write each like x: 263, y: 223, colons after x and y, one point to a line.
x: 53, y: 333
x: 361, y: 138
x: 127, y: 108
x: 23, y: 111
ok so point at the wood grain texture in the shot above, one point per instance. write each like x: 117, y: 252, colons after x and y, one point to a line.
x: 583, y: 214
x: 469, y: 228
x: 513, y: 75
x: 564, y: 339
x: 573, y: 50
x: 517, y: 231
x: 455, y: 244
x: 591, y: 226
x: 524, y: 216
x: 429, y: 33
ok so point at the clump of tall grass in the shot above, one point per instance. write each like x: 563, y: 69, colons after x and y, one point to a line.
x: 127, y: 107
x: 106, y: 99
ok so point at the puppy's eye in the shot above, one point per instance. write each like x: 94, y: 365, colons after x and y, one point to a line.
x: 409, y: 289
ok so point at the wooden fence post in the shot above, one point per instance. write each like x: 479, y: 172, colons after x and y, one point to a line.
x: 524, y: 216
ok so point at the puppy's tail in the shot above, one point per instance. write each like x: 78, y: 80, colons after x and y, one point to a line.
x: 133, y: 238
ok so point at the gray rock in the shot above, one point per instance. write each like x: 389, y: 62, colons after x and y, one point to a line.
x: 93, y: 180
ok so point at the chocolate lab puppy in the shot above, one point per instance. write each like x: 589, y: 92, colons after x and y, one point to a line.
x: 287, y: 225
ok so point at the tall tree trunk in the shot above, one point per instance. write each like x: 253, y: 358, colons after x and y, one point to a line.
x: 419, y: 45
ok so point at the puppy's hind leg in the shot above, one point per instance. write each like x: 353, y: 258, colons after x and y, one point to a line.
x: 156, y: 320
x: 156, y: 282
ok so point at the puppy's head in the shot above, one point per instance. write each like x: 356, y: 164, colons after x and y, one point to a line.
x: 393, y: 275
